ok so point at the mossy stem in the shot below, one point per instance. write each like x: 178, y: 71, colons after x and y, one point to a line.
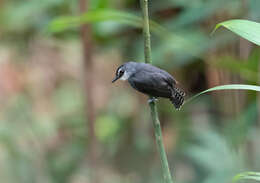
x: 154, y: 114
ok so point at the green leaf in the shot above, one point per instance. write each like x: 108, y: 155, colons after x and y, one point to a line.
x: 247, y: 29
x: 62, y: 23
x: 248, y: 176
x: 130, y: 19
x: 227, y: 87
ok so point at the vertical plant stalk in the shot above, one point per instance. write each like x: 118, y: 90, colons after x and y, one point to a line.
x: 154, y: 114
x: 85, y: 33
x: 146, y: 32
x: 159, y: 141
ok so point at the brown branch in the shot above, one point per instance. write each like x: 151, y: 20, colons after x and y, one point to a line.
x: 87, y: 44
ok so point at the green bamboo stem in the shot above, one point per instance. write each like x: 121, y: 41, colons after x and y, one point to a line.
x: 159, y: 141
x: 156, y: 123
x: 146, y: 31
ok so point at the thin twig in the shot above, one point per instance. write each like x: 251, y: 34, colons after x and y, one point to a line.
x: 154, y: 113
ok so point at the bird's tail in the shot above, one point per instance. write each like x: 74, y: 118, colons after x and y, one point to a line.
x: 177, y: 97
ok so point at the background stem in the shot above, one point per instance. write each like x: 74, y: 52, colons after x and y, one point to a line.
x: 156, y: 123
x: 88, y: 85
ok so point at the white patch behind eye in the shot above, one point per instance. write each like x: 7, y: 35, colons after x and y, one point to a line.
x: 125, y: 76
x: 119, y: 70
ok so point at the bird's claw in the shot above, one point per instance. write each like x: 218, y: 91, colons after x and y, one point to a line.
x: 152, y: 100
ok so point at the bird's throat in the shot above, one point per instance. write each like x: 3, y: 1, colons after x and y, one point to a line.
x: 125, y: 76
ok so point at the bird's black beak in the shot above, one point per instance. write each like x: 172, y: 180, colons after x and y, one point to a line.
x: 114, y: 80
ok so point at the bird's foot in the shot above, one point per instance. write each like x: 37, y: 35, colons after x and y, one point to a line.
x: 152, y: 100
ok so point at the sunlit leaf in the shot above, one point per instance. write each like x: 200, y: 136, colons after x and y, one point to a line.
x: 247, y: 175
x: 247, y: 29
x: 227, y: 87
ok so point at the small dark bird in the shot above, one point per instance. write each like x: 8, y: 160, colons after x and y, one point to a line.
x: 151, y: 80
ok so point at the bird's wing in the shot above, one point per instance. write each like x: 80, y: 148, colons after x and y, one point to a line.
x: 151, y: 83
x: 168, y: 78
x: 163, y: 74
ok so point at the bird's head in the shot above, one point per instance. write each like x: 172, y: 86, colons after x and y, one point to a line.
x: 124, y: 71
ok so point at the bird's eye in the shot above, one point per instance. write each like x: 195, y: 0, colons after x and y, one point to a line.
x: 121, y: 72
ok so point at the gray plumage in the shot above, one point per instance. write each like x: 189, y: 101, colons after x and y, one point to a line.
x: 151, y: 80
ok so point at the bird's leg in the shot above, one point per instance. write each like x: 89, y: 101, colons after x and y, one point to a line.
x: 152, y: 99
